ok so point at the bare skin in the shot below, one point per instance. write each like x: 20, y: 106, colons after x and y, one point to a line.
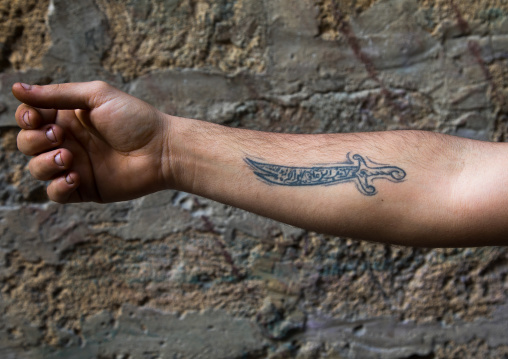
x: 102, y: 137
x: 96, y: 143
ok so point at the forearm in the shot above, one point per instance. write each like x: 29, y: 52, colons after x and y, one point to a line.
x: 424, y: 208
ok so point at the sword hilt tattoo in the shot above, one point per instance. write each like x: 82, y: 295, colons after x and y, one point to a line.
x: 354, y: 170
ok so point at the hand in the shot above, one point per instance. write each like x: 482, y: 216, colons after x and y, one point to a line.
x: 93, y: 141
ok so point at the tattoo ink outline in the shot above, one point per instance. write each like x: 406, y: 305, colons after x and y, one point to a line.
x: 356, y: 170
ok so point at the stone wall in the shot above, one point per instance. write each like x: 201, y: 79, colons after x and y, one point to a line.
x: 178, y: 276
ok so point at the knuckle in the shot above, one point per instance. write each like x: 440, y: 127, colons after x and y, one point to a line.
x: 21, y: 141
x: 55, y: 197
x: 99, y: 94
x: 19, y: 110
x: 55, y: 90
x: 58, y: 199
x: 28, y: 138
x: 100, y: 85
x: 35, y: 169
x: 56, y: 194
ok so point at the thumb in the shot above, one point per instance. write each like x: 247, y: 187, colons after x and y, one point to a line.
x: 70, y: 96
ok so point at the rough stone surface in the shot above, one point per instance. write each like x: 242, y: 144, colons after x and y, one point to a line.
x: 24, y: 34
x: 225, y: 36
x: 173, y: 275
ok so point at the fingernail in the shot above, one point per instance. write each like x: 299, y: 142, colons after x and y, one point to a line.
x: 50, y: 134
x: 58, y: 159
x: 26, y: 118
x: 68, y: 179
x: 26, y: 86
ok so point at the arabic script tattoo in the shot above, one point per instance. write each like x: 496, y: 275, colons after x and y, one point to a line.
x: 356, y: 170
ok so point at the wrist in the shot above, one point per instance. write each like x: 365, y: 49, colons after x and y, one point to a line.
x: 176, y: 166
x: 199, y: 155
x: 166, y: 174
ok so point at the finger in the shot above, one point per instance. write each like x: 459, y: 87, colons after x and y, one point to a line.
x: 33, y: 142
x: 29, y: 118
x: 50, y: 164
x: 63, y: 188
x: 71, y: 96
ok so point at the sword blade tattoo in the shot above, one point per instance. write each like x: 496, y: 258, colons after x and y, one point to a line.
x: 356, y: 169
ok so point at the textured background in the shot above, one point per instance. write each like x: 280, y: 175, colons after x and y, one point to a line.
x: 177, y: 276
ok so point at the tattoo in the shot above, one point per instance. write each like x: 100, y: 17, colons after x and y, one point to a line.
x: 354, y: 170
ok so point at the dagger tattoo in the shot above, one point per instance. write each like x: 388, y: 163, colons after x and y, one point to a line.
x: 356, y: 170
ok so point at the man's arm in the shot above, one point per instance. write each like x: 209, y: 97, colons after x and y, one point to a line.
x: 406, y: 187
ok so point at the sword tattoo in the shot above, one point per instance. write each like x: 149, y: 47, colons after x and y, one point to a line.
x: 356, y: 170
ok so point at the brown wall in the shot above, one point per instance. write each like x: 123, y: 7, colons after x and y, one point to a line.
x: 177, y: 276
